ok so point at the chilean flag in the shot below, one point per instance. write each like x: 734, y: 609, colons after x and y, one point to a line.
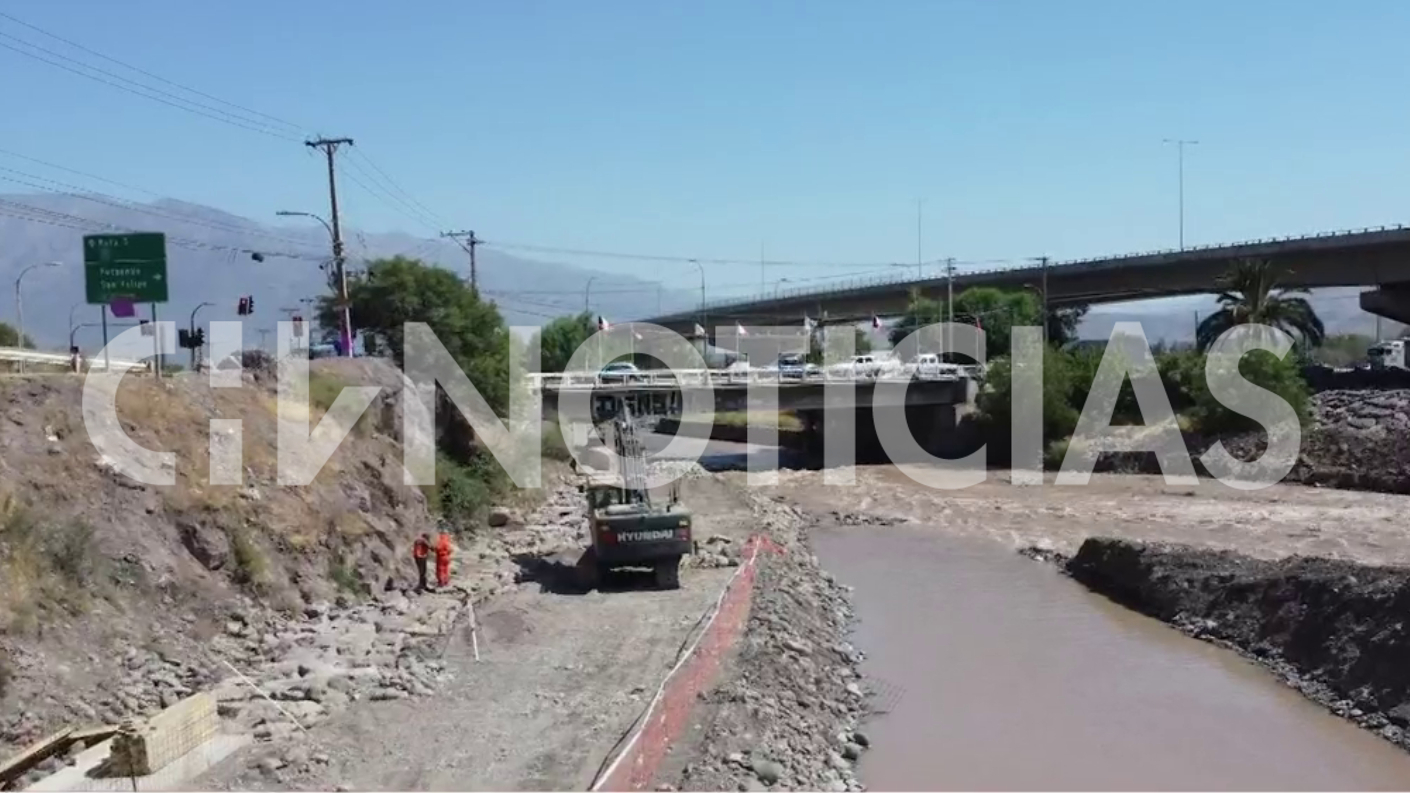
x: 602, y: 323
x: 875, y: 322
x: 740, y: 329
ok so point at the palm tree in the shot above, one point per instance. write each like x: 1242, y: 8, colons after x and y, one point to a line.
x: 1249, y: 294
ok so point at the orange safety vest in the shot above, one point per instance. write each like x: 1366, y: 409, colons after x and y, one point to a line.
x: 421, y: 549
x: 443, y: 547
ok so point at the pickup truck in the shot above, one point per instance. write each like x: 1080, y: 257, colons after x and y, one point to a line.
x: 794, y: 366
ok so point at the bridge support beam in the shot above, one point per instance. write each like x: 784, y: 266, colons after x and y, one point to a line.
x: 937, y: 429
x: 1391, y: 301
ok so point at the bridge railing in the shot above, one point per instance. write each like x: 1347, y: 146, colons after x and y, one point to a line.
x: 839, y: 286
x: 59, y: 359
x: 559, y: 381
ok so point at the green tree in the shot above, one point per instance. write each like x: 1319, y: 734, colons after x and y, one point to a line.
x: 562, y: 337
x: 1063, y: 323
x: 389, y: 293
x: 9, y: 337
x: 996, y: 311
x: 1249, y: 294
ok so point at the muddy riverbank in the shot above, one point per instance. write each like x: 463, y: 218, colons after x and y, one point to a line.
x: 1332, y: 629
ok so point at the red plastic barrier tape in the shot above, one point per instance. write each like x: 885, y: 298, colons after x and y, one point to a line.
x: 666, y: 717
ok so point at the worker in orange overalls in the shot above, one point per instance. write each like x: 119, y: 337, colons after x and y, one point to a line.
x: 420, y: 550
x: 443, y: 559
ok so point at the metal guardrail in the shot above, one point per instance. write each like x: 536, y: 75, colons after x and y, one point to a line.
x: 719, y: 377
x: 60, y: 359
x: 837, y: 287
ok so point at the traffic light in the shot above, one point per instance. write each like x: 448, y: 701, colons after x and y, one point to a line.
x: 199, y: 340
x: 243, y: 308
x: 249, y: 304
x: 183, y: 338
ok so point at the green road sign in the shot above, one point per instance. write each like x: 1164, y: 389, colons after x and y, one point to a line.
x: 131, y: 266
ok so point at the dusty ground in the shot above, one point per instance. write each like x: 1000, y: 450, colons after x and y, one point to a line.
x: 561, y: 677
x: 1271, y: 523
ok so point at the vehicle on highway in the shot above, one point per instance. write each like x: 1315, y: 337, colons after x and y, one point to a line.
x: 618, y: 372
x: 928, y: 366
x: 859, y: 366
x: 1387, y: 354
x: 795, y: 366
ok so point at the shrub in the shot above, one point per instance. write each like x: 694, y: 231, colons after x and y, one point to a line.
x: 1054, y: 454
x: 251, y: 566
x: 553, y: 445
x: 1282, y: 377
x: 344, y: 576
x: 995, y: 403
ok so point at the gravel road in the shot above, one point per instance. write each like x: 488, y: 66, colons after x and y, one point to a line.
x: 560, y: 678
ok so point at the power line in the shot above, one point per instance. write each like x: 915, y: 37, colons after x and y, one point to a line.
x: 292, y: 126
x: 100, y: 198
x: 156, y: 94
x: 398, y: 188
x: 54, y: 217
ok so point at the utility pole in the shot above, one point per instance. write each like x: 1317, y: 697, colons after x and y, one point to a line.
x: 469, y: 245
x: 950, y: 302
x: 1180, y: 156
x: 329, y: 147
x: 920, y: 204
x: 1043, y: 263
x: 264, y: 339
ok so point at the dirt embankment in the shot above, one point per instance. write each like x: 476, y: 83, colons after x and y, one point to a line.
x: 786, y: 714
x: 118, y: 598
x: 1332, y: 629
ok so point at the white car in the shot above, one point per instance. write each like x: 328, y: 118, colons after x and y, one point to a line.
x: 859, y: 366
x: 928, y: 366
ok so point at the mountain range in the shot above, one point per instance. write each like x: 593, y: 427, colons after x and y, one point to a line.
x: 210, y: 261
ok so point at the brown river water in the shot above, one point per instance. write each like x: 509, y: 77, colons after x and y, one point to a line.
x: 996, y: 672
x: 1001, y: 674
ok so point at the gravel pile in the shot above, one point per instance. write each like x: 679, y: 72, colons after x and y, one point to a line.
x: 787, y: 716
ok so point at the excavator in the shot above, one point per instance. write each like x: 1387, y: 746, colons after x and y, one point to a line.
x: 630, y: 527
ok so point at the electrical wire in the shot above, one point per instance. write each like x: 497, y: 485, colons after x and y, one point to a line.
x: 155, y: 94
x: 112, y: 201
x: 397, y: 188
x: 54, y: 217
x: 291, y: 125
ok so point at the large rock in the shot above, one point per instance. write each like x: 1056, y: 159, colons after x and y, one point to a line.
x: 208, y: 545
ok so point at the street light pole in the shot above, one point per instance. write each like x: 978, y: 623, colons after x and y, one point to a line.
x: 1180, y: 145
x: 587, y: 299
x: 19, y: 305
x: 703, y: 326
x: 920, y: 204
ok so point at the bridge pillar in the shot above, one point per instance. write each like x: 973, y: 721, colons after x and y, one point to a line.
x: 1391, y: 301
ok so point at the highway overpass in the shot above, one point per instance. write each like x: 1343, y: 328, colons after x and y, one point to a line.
x: 1377, y: 257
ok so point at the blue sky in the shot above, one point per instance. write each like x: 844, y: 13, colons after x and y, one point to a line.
x: 712, y: 129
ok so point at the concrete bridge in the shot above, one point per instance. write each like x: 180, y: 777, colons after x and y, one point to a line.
x: 931, y: 405
x: 1378, y: 258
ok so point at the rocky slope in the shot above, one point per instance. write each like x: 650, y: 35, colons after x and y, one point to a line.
x: 786, y: 715
x: 118, y: 598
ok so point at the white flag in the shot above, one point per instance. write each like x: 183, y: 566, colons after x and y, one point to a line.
x: 699, y: 331
x: 740, y: 329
